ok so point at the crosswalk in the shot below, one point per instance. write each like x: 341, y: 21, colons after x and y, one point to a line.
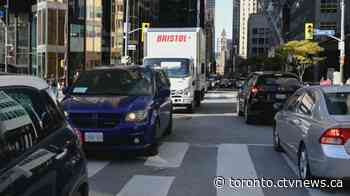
x: 181, y: 169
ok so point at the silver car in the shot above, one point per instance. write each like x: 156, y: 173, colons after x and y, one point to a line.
x: 313, y: 128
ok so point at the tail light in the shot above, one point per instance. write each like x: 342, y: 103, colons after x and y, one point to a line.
x: 335, y: 136
x: 256, y: 89
x: 80, y: 135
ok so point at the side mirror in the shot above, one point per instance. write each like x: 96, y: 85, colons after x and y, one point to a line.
x: 164, y: 93
x: 65, y: 90
x: 193, y: 83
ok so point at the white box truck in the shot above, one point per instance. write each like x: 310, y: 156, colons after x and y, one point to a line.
x: 181, y: 53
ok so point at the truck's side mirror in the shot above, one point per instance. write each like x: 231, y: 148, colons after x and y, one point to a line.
x: 193, y: 83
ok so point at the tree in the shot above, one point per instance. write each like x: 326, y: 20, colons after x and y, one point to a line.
x: 304, y: 53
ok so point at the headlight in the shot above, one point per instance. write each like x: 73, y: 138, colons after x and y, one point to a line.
x: 187, y: 92
x: 137, y: 116
x: 66, y: 114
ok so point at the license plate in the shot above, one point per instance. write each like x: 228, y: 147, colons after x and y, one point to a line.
x: 281, y: 96
x: 94, y: 137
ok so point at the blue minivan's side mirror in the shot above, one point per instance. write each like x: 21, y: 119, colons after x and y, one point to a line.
x: 65, y: 90
x: 164, y: 92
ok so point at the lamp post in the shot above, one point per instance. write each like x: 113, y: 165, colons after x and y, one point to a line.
x: 342, y: 41
x: 126, y: 26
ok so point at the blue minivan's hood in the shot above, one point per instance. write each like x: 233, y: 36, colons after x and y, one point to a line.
x: 105, y: 104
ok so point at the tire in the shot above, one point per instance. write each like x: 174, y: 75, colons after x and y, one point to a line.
x: 197, y: 99
x: 276, y: 141
x: 190, y: 108
x: 240, y: 113
x: 303, y: 164
x: 247, y: 116
x: 169, y: 129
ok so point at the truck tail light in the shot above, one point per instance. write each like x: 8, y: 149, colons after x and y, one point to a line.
x: 335, y: 136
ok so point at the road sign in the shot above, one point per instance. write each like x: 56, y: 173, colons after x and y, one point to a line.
x: 132, y: 47
x: 324, y: 32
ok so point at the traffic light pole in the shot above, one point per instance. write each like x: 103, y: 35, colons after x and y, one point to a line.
x: 126, y: 26
x: 342, y: 41
x: 6, y: 35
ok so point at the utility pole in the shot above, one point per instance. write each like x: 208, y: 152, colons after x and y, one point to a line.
x: 6, y: 35
x: 342, y: 40
x: 126, y: 30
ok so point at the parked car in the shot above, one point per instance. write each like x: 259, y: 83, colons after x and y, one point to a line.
x: 313, y: 127
x: 120, y: 108
x: 262, y: 90
x: 224, y: 83
x: 40, y: 154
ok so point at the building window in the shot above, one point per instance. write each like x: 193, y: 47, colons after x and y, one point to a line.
x: 329, y: 6
x: 328, y: 25
x: 255, y: 31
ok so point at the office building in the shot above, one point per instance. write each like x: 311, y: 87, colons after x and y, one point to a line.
x: 259, y: 36
x: 246, y: 9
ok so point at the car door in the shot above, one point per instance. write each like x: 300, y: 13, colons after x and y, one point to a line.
x: 163, y: 99
x: 36, y: 145
x: 302, y: 120
x: 283, y: 124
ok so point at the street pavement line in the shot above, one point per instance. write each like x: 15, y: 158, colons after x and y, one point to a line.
x: 140, y: 185
x: 234, y: 161
x: 93, y: 167
x: 171, y: 155
x: 311, y: 191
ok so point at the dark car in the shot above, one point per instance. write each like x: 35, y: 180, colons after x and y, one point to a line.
x: 262, y: 91
x: 120, y: 108
x: 40, y: 154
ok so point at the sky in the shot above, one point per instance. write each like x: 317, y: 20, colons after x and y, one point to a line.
x: 223, y: 17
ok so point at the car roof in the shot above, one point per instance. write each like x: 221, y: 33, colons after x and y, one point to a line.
x: 23, y: 80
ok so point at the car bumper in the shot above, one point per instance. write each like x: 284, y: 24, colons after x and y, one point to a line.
x: 334, y: 163
x: 263, y: 109
x: 127, y: 138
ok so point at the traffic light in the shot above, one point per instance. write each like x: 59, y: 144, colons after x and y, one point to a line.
x: 145, y: 25
x: 309, y: 31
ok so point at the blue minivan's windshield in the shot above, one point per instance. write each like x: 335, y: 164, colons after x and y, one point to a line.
x: 132, y: 82
x: 175, y: 68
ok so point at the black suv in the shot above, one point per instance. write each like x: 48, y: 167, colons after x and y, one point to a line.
x: 40, y: 154
x: 262, y: 91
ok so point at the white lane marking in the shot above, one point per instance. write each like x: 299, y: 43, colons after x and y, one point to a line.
x: 311, y: 191
x: 140, y: 185
x: 94, y: 167
x: 204, y: 115
x: 234, y: 161
x: 171, y: 154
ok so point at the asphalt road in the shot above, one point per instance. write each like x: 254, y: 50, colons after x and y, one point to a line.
x: 212, y: 142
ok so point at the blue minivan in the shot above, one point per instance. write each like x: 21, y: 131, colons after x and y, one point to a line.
x: 120, y: 108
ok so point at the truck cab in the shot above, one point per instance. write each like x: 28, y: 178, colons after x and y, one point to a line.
x: 183, y: 79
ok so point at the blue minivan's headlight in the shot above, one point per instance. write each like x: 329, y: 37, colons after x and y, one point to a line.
x: 136, y: 116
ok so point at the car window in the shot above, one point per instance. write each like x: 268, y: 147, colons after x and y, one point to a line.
x: 306, y: 105
x: 291, y: 103
x: 338, y: 103
x: 25, y: 120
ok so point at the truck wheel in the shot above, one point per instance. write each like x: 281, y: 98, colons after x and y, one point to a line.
x: 190, y: 108
x: 197, y: 99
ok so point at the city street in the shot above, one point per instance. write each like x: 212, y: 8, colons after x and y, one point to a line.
x: 213, y: 141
